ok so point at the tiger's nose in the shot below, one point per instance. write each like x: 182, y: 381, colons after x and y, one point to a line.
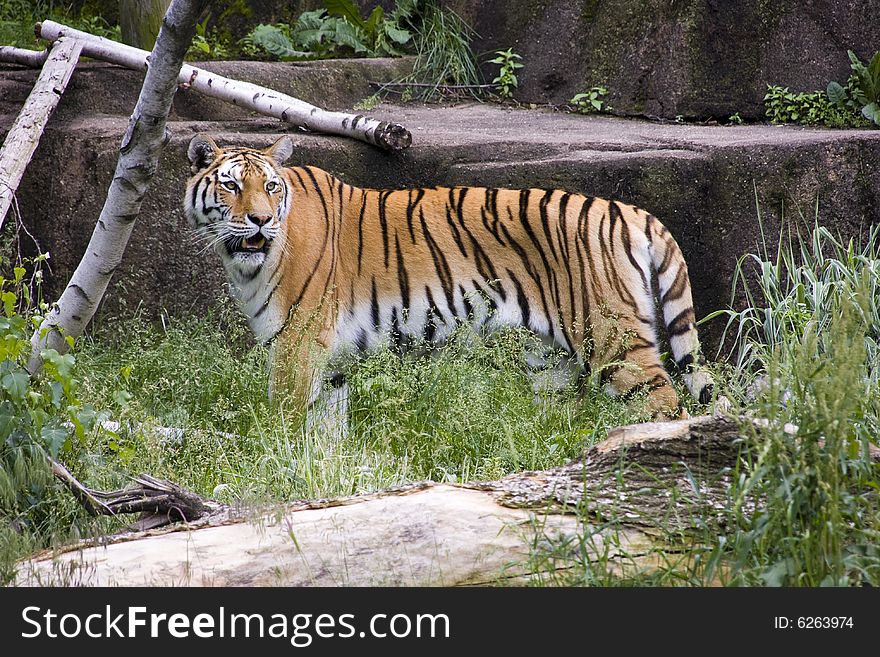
x: 260, y: 219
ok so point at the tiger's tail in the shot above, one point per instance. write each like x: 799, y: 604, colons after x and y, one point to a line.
x: 676, y: 307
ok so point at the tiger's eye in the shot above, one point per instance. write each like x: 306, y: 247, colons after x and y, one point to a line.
x: 271, y: 186
x: 231, y: 186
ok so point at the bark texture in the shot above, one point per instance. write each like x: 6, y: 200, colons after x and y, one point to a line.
x: 24, y: 135
x: 138, y: 159
x: 632, y: 500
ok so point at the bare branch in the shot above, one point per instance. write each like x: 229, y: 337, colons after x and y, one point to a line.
x: 24, y: 135
x: 391, y: 136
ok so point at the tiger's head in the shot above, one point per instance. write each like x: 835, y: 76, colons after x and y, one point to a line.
x: 237, y: 199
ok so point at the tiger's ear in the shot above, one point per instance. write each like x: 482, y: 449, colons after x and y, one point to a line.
x: 201, y: 152
x: 281, y: 150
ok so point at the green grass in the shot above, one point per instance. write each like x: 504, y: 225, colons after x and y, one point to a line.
x: 18, y: 17
x: 466, y: 412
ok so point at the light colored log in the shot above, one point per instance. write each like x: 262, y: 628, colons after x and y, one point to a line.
x: 24, y: 135
x: 391, y: 136
x: 639, y: 487
x: 22, y: 56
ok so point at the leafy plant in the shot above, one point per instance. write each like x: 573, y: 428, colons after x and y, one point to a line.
x: 591, y: 101
x: 862, y: 92
x: 506, y: 80
x: 813, y: 108
x: 39, y: 415
x: 443, y: 51
x: 809, y: 333
x: 735, y: 119
x: 336, y: 30
x: 207, y: 43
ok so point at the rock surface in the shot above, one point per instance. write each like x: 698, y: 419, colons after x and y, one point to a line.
x: 696, y: 58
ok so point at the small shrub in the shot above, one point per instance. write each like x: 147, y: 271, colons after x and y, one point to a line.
x: 814, y: 108
x: 862, y: 91
x: 40, y: 415
x: 506, y: 80
x: 593, y: 101
x: 335, y: 31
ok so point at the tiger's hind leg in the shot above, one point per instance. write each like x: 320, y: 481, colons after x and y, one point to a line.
x: 637, y: 374
x: 635, y: 368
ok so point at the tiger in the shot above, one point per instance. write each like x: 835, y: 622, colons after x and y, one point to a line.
x: 324, y: 270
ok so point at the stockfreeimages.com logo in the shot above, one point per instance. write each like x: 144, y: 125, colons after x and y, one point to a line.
x: 300, y: 629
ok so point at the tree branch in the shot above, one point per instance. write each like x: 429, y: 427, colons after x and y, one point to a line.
x: 391, y: 136
x: 24, y: 135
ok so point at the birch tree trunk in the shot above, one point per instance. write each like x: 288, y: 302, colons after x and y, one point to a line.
x: 24, y: 135
x: 138, y: 158
x: 391, y: 136
x: 635, y: 502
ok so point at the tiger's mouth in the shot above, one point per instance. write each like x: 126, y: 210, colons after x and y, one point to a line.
x: 247, y: 245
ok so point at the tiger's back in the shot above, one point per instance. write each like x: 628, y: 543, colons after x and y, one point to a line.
x: 601, y: 280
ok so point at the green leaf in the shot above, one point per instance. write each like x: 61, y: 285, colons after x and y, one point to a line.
x: 53, y: 439
x: 8, y: 299
x: 273, y: 40
x: 16, y: 384
x: 872, y: 112
x: 375, y: 20
x: 836, y: 93
x: 345, y: 9
x: 874, y: 71
x: 398, y: 35
x: 351, y: 36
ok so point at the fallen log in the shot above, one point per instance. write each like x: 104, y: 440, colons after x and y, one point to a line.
x: 24, y: 135
x: 391, y: 136
x: 631, y: 501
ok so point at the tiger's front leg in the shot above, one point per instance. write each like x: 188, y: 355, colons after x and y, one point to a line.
x: 327, y: 412
x: 300, y: 380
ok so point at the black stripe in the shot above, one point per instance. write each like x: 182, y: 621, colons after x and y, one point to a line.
x: 678, y: 287
x: 361, y: 340
x: 317, y: 187
x: 681, y: 324
x: 383, y: 222
x: 374, y: 304
x: 657, y: 382
x: 456, y: 235
x: 685, y: 362
x: 490, y: 207
x: 441, y: 266
x: 627, y: 246
x: 521, y: 300
x: 488, y: 297
x: 468, y: 308
x: 361, y: 232
x: 542, y: 212
x: 410, y: 208
x: 402, y: 276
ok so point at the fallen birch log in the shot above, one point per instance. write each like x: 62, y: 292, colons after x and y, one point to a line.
x: 621, y: 502
x: 24, y: 135
x: 22, y: 56
x: 391, y: 136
